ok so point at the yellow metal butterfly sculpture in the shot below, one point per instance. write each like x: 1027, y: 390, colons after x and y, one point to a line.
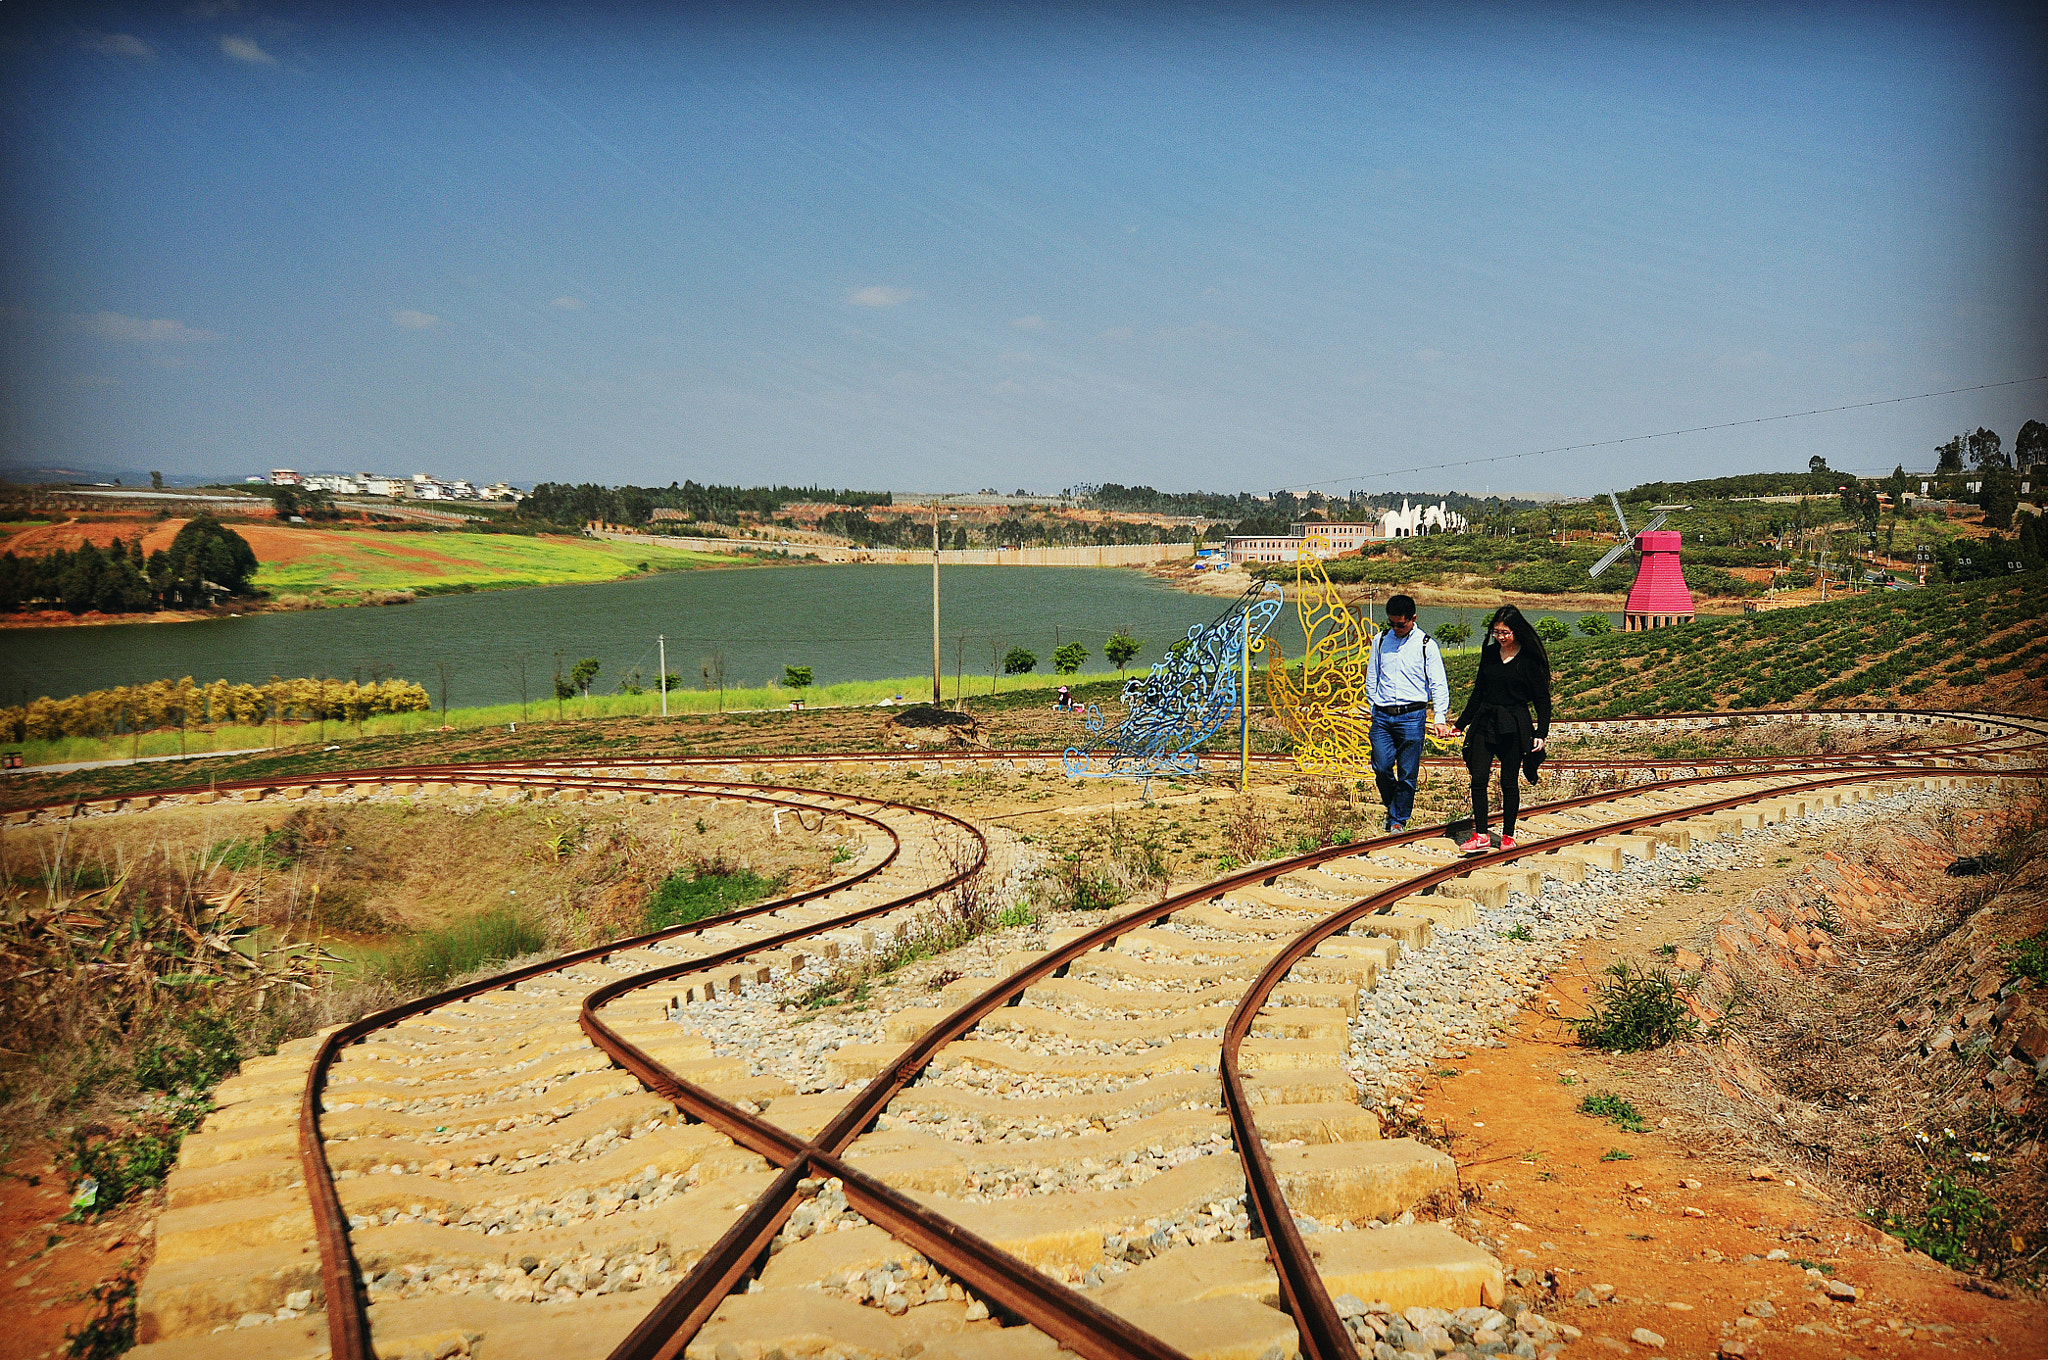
x: 1328, y: 714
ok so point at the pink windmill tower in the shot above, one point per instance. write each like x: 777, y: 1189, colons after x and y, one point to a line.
x: 1659, y: 597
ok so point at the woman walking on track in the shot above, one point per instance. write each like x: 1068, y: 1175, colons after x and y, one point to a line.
x: 1514, y: 675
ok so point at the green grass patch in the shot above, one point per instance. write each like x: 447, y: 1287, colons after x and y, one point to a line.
x: 1617, y: 1155
x: 1607, y: 1105
x: 429, y: 959
x: 704, y: 891
x: 436, y: 563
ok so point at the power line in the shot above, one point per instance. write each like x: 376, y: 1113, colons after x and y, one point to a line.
x: 1666, y: 434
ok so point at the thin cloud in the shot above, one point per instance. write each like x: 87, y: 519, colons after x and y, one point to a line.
x: 245, y: 49
x: 568, y: 304
x: 411, y: 320
x: 877, y: 295
x: 212, y: 9
x: 119, y: 45
x: 135, y: 330
x: 1029, y: 323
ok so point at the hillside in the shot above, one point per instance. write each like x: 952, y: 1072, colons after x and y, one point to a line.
x: 1975, y: 645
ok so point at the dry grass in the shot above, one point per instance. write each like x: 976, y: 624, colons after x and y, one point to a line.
x: 1856, y: 1104
x: 149, y: 953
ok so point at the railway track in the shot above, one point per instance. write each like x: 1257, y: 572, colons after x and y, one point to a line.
x: 1109, y: 1138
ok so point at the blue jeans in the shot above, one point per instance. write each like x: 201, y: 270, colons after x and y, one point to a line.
x: 1396, y: 759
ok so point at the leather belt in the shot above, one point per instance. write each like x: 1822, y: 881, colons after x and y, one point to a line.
x: 1400, y: 710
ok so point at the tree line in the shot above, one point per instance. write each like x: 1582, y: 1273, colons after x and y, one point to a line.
x: 561, y: 503
x: 206, y: 560
x: 164, y: 704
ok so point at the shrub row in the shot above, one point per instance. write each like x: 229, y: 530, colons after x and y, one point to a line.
x: 181, y: 703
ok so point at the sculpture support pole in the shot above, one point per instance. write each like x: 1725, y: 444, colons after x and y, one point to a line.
x: 937, y: 699
x: 1244, y: 700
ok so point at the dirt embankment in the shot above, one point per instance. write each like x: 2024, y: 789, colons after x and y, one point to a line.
x: 1864, y: 1050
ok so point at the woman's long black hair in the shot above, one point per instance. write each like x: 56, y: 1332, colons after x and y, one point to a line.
x: 1526, y: 636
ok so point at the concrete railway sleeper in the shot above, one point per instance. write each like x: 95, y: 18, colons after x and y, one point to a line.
x: 819, y: 1212
x: 693, y: 1303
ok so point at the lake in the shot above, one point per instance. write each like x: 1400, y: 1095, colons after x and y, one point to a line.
x: 845, y: 622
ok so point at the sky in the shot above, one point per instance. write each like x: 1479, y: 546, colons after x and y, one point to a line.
x: 966, y: 245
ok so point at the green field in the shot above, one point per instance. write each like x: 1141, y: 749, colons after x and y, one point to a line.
x: 313, y: 563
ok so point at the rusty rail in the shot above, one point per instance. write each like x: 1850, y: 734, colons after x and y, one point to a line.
x: 347, y: 1321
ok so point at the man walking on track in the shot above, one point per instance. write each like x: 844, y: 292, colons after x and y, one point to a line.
x: 1403, y: 680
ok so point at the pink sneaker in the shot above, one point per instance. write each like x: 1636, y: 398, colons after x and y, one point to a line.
x: 1478, y: 845
x: 1507, y: 842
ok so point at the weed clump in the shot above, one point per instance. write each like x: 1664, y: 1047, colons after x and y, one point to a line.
x: 1607, y: 1105
x: 1637, y: 1008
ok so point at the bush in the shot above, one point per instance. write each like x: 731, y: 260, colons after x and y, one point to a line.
x: 1552, y: 629
x: 1594, y: 625
x: 1019, y: 661
x: 1959, y: 1225
x: 1067, y: 658
x: 1638, y: 1008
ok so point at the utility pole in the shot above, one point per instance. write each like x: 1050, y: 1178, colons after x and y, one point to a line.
x: 661, y: 641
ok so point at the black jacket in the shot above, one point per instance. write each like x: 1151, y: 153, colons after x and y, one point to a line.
x: 1502, y: 696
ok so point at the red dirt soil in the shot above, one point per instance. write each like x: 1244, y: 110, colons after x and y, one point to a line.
x: 46, y: 1284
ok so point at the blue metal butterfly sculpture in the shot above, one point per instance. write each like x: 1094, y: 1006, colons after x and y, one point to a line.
x: 1181, y: 702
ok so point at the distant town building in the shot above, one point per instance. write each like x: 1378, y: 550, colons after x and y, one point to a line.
x: 285, y: 477
x: 1407, y: 522
x: 1254, y: 549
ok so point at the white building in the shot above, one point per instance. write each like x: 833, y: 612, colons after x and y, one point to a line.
x: 285, y: 477
x: 376, y: 484
x: 334, y: 483
x: 1407, y: 522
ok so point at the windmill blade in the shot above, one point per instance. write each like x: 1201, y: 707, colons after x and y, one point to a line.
x: 1617, y: 513
x: 1654, y: 523
x: 1604, y: 563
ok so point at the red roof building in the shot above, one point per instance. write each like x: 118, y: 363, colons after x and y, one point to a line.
x: 1659, y: 597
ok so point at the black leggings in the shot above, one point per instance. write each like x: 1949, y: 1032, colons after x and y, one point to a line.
x: 1480, y: 755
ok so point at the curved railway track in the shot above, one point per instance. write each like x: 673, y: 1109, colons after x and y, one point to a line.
x: 581, y: 1158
